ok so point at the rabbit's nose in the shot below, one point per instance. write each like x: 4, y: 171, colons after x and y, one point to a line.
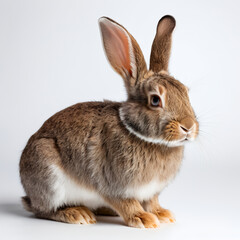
x: 184, y: 129
x: 187, y: 124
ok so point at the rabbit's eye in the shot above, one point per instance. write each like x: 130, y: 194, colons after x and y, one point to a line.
x: 156, y: 101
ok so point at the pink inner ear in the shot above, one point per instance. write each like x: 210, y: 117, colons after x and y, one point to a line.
x: 117, y: 47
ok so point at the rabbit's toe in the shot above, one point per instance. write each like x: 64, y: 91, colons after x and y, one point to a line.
x: 144, y: 220
x: 165, y: 216
x: 79, y: 215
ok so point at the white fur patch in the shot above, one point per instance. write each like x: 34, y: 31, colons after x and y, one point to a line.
x: 145, y: 192
x: 66, y: 191
x: 149, y: 139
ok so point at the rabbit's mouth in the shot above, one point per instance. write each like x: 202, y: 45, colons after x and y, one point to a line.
x: 184, y: 140
x: 182, y: 131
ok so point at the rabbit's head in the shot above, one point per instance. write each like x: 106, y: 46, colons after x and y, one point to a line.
x: 158, y: 109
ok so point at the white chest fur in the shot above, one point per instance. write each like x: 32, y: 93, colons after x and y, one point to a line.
x: 146, y: 191
x: 68, y: 192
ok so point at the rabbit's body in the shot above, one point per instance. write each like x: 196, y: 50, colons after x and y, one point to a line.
x: 89, y: 142
x: 111, y: 157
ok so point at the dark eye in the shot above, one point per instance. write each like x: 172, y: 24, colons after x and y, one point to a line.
x: 156, y: 101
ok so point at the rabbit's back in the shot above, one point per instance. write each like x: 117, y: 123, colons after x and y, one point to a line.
x: 75, y: 131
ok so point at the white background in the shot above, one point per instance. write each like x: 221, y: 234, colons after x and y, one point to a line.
x: 51, y: 56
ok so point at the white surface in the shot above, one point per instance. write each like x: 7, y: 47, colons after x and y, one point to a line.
x: 51, y: 57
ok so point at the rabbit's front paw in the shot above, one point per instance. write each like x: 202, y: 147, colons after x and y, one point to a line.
x: 165, y: 215
x: 143, y: 220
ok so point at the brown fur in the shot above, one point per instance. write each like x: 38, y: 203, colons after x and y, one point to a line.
x: 104, y: 211
x: 91, y: 144
x: 161, y: 46
x: 164, y: 215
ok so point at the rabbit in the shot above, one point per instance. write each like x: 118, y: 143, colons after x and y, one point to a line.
x: 114, y: 158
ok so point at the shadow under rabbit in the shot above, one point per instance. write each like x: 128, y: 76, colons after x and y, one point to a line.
x: 17, y: 210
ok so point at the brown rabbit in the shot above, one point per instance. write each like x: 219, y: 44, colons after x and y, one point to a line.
x: 113, y: 157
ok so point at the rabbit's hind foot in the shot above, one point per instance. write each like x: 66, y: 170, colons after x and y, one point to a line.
x: 75, y: 215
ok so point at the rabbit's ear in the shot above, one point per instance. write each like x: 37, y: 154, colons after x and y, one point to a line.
x: 161, y: 46
x: 123, y: 52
